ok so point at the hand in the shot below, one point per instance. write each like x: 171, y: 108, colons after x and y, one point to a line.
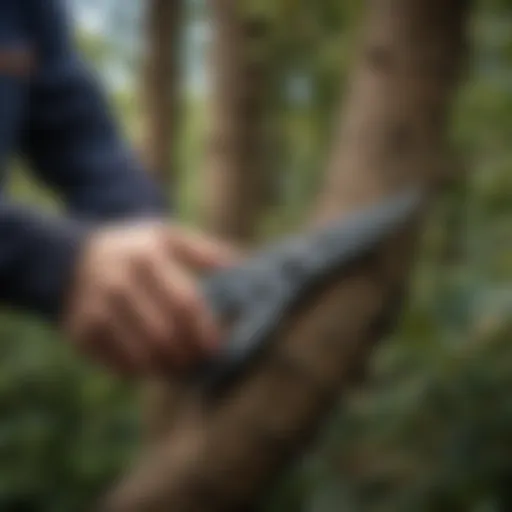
x: 134, y: 304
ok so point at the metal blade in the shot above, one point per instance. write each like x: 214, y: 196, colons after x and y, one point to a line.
x: 265, y: 288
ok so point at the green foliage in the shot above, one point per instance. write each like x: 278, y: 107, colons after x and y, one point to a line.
x: 430, y: 431
x: 66, y: 428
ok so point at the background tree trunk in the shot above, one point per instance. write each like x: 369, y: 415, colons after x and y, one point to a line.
x: 161, y: 100
x: 232, y: 177
x: 392, y: 132
x: 231, y: 195
x: 160, y: 88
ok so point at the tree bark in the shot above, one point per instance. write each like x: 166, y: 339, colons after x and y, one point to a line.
x: 222, y: 458
x: 233, y: 177
x: 160, y: 87
x: 161, y: 100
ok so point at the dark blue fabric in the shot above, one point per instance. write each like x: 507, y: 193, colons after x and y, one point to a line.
x: 57, y: 118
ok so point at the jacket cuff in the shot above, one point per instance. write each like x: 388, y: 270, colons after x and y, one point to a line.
x: 56, y: 246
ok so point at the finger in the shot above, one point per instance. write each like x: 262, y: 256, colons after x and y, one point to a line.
x: 151, y: 315
x: 148, y: 321
x: 125, y: 342
x: 154, y: 326
x: 104, y: 354
x: 180, y: 294
x: 89, y: 331
x: 195, y: 249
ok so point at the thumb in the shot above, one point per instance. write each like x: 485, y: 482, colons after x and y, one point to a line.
x: 196, y: 249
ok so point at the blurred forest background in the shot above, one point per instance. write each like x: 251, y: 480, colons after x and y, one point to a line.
x: 431, y: 429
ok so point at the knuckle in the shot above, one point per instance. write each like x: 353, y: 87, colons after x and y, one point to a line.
x: 91, y: 327
x: 153, y: 336
x: 159, y: 235
x: 98, y: 319
x: 141, y: 258
x: 160, y: 332
x: 189, y: 301
x: 116, y: 287
x: 137, y: 257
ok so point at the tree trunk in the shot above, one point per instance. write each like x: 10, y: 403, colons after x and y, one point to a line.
x: 392, y: 133
x: 161, y: 101
x: 233, y: 177
x: 160, y: 87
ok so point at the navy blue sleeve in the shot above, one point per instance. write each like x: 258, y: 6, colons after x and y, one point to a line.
x: 72, y: 143
x: 71, y: 139
x: 37, y: 257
